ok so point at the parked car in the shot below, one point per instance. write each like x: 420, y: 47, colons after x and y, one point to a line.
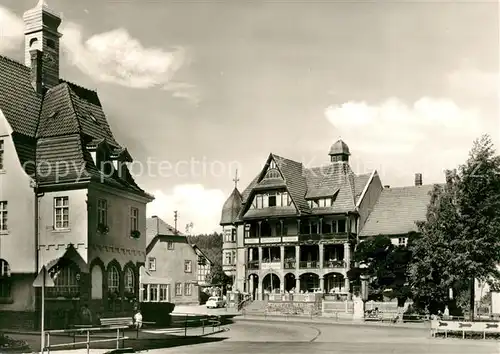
x: 215, y: 302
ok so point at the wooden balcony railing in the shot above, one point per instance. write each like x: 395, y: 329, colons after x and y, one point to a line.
x: 253, y: 265
x: 309, y: 264
x: 334, y: 264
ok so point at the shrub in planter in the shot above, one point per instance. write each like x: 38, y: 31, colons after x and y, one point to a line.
x: 158, y: 312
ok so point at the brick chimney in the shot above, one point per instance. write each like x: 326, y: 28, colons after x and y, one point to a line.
x: 36, y: 70
x: 418, y: 179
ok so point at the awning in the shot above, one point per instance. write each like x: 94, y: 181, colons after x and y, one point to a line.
x: 71, y: 254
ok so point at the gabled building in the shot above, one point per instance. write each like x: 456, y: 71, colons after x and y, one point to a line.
x: 171, y: 270
x: 204, y: 267
x: 295, y: 227
x: 397, y: 210
x: 67, y: 199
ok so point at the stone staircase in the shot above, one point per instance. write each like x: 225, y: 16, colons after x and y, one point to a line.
x: 255, y: 307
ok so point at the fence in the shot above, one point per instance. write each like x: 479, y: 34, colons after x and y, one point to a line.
x: 119, y: 338
x: 179, y: 326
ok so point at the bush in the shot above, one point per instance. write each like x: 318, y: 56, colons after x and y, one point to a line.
x: 158, y: 312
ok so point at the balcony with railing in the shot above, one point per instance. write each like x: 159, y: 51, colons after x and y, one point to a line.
x: 309, y: 264
x: 253, y: 265
x: 334, y: 264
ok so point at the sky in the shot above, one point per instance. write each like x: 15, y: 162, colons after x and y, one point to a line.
x: 199, y: 89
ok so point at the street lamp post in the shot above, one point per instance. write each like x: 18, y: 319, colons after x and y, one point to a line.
x: 364, y: 284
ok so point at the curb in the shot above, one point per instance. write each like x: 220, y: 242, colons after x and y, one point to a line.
x: 326, y: 322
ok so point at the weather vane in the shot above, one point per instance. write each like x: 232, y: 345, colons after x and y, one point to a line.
x: 236, y: 179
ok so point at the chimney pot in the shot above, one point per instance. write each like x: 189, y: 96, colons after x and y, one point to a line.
x: 418, y: 179
x: 387, y: 186
x: 36, y: 70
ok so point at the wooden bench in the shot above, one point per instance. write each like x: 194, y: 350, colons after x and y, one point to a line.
x: 117, y: 321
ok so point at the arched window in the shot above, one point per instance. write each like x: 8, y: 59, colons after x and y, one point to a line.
x: 66, y: 282
x: 129, y: 281
x: 113, y: 280
x: 5, y: 281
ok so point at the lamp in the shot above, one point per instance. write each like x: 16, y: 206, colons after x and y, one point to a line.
x: 364, y: 281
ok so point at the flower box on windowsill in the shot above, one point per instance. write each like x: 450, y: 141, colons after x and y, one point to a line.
x: 135, y: 234
x: 103, y: 229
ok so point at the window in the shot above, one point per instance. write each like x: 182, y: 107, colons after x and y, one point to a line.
x: 233, y: 259
x: 163, y: 292
x: 247, y: 230
x: 1, y: 154
x: 272, y: 200
x: 113, y: 280
x: 272, y: 173
x: 5, y: 282
x: 153, y: 292
x: 233, y: 235
x: 326, y: 227
x: 134, y: 219
x: 170, y: 245
x: 61, y: 213
x: 51, y: 43
x: 227, y: 258
x: 341, y: 226
x: 402, y: 241
x: 151, y: 263
x: 102, y: 212
x: 129, y: 281
x: 227, y: 235
x: 3, y: 216
x: 178, y: 289
x: 187, y: 289
x: 258, y: 200
x: 65, y: 282
x: 285, y: 201
x: 187, y: 267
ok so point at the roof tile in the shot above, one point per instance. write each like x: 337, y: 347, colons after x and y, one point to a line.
x: 397, y: 211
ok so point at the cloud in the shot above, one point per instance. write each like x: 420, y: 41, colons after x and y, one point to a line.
x: 395, y: 128
x: 183, y: 90
x: 116, y: 57
x: 11, y: 30
x: 474, y: 82
x: 193, y: 203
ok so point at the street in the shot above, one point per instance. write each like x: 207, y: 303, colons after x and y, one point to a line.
x: 268, y: 337
x: 290, y: 338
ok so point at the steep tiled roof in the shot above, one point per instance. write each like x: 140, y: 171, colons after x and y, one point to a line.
x: 18, y: 101
x: 294, y: 176
x: 397, y: 210
x: 231, y: 208
x: 335, y: 180
x: 157, y: 227
x: 54, y: 130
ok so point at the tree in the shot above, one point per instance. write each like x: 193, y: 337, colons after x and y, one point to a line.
x: 478, y: 201
x: 217, y: 277
x: 459, y: 240
x: 430, y: 275
x: 387, y: 267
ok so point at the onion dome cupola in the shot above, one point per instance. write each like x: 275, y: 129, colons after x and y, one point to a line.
x: 339, y: 152
x: 231, y: 208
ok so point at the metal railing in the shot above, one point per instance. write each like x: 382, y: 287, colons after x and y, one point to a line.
x: 119, y: 338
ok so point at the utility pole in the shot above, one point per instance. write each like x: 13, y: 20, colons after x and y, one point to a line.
x: 175, y: 222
